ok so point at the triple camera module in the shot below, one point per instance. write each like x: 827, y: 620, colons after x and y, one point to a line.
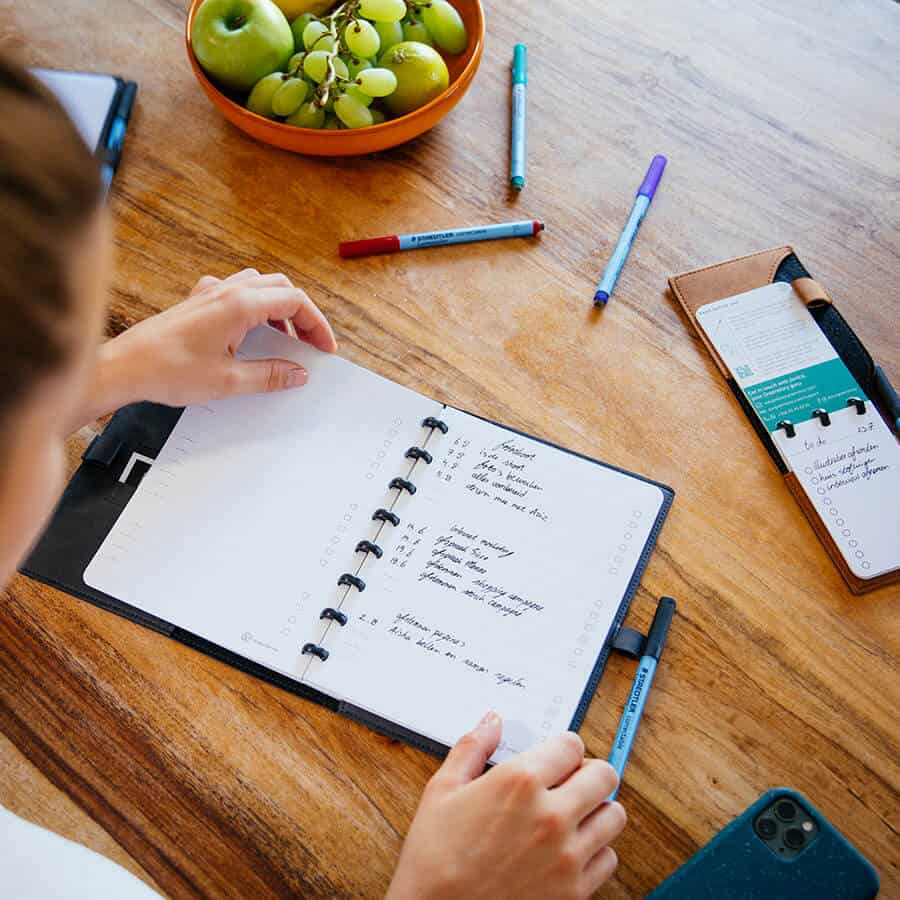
x: 786, y: 828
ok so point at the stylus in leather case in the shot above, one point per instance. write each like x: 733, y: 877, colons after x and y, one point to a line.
x: 737, y: 276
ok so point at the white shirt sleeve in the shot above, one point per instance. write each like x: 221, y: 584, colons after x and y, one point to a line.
x: 36, y: 864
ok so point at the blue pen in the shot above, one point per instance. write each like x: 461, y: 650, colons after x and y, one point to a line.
x: 517, y: 154
x: 623, y: 248
x: 643, y: 678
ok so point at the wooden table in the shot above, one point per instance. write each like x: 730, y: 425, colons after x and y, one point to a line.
x: 781, y: 125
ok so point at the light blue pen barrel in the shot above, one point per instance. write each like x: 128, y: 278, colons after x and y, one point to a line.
x: 527, y: 228
x: 626, y: 239
x: 517, y: 151
x: 628, y: 724
x: 637, y: 699
x: 391, y: 243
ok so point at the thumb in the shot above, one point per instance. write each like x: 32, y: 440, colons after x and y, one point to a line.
x: 466, y: 761
x: 263, y: 376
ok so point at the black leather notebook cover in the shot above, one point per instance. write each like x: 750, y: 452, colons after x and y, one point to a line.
x: 99, y: 490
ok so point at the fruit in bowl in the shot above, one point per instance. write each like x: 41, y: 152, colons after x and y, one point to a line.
x: 317, y: 131
x: 238, y: 42
x: 420, y: 73
x: 346, y: 69
x: 294, y: 8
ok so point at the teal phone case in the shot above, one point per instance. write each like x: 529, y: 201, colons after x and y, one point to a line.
x: 738, y: 865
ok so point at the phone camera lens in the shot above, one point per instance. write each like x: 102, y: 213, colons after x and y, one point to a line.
x: 766, y: 828
x: 785, y: 810
x: 794, y: 838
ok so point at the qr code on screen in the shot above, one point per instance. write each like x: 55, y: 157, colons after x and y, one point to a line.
x: 744, y: 372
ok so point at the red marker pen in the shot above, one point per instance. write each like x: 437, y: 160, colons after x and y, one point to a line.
x: 395, y: 242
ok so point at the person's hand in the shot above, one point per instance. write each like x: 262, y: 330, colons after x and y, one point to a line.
x: 536, y: 826
x: 186, y: 354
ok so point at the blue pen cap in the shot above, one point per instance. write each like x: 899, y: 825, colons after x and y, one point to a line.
x: 651, y: 179
x: 659, y: 629
x: 520, y: 63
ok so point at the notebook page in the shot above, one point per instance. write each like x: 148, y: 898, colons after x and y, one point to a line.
x: 497, y: 590
x: 241, y: 528
x: 86, y: 98
x: 850, y: 471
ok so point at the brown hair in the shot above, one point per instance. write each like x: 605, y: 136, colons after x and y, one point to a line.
x: 49, y: 191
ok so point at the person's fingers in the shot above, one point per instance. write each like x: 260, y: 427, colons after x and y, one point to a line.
x: 263, y: 376
x: 273, y: 279
x: 600, y: 828
x: 467, y: 759
x: 278, y: 279
x: 553, y: 760
x: 243, y: 275
x: 588, y: 787
x: 313, y: 327
x: 259, y: 305
x: 204, y: 284
x: 599, y: 870
x: 207, y: 282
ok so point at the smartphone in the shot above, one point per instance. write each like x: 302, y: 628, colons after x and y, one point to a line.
x: 781, y: 848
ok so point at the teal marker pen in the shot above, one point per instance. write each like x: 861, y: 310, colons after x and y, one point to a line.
x: 643, y: 678
x: 517, y: 152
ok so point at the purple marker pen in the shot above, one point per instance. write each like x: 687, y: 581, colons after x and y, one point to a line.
x: 620, y: 254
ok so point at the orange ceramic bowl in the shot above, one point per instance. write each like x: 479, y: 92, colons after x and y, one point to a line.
x: 360, y: 140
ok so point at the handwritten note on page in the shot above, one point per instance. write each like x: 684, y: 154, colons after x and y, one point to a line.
x: 850, y: 470
x: 241, y: 528
x: 496, y: 591
x: 497, y: 588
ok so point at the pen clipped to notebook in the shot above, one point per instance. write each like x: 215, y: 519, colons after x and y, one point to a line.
x: 643, y: 679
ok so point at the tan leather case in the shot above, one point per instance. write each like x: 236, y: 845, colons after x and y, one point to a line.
x: 736, y: 276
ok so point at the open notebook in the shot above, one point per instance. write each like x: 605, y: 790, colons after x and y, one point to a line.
x: 410, y: 561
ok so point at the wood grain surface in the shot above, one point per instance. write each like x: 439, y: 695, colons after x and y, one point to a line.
x: 781, y: 124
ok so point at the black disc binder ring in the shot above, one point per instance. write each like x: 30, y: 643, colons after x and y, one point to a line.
x: 822, y: 416
x: 418, y: 453
x: 352, y: 581
x: 385, y: 515
x: 432, y: 423
x: 859, y: 404
x: 335, y: 615
x: 788, y: 427
x: 369, y: 547
x: 315, y: 650
x: 401, y: 484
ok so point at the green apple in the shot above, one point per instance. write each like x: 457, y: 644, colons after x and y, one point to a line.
x: 237, y: 42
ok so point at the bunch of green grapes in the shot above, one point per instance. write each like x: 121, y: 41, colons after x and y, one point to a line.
x: 366, y: 61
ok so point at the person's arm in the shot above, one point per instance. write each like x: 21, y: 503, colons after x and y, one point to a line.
x: 186, y: 354
x: 536, y: 827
